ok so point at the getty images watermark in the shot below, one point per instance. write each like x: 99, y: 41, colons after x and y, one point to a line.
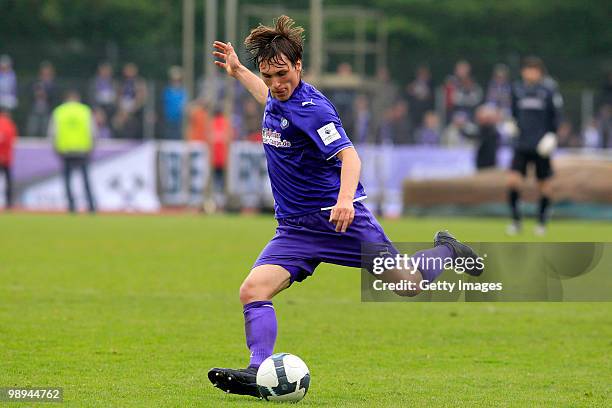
x: 410, y: 264
x: 503, y: 272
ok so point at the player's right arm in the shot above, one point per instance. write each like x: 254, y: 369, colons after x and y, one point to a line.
x: 230, y: 62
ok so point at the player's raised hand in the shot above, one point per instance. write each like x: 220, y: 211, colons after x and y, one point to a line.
x: 229, y: 59
x: 342, y: 215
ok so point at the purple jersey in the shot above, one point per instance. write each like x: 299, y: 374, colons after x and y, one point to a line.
x: 302, y: 137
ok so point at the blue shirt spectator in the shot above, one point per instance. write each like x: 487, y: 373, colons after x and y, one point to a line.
x: 8, y: 84
x: 174, y: 100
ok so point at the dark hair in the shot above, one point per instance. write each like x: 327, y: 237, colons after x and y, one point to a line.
x: 534, y: 62
x: 267, y: 44
x: 72, y: 93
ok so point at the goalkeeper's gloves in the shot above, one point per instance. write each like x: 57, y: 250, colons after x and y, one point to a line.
x: 547, y: 145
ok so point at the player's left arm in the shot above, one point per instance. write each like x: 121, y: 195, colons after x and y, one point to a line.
x: 555, y: 107
x: 343, y: 213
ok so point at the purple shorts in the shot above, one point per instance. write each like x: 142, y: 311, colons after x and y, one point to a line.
x: 302, y: 243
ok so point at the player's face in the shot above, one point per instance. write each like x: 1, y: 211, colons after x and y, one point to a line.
x: 281, y: 79
x: 531, y: 75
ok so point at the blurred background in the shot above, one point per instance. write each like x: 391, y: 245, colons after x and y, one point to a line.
x: 422, y: 88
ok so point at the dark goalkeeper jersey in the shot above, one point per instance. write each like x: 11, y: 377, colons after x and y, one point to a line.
x: 536, y: 109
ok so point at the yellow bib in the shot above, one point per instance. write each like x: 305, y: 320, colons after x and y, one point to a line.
x: 73, y: 128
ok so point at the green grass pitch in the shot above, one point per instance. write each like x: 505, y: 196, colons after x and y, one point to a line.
x: 133, y: 310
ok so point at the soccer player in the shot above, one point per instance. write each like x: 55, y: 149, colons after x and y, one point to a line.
x: 314, y: 171
x: 536, y: 106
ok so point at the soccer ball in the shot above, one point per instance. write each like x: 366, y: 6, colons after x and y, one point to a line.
x: 283, y: 377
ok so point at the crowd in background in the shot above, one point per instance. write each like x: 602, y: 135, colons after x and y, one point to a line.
x: 412, y: 116
x: 386, y: 113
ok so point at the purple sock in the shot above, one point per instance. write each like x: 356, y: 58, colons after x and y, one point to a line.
x: 431, y: 261
x: 260, y: 329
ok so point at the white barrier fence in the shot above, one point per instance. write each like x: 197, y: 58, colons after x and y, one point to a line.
x: 128, y: 176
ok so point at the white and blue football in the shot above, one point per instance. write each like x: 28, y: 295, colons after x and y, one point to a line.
x: 283, y: 377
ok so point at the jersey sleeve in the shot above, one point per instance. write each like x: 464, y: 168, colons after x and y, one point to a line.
x: 514, y: 102
x: 555, y: 106
x: 320, y: 122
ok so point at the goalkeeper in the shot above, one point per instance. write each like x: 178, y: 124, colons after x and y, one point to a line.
x: 536, y: 110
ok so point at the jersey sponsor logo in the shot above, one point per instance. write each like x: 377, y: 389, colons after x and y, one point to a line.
x: 531, y: 103
x: 310, y: 102
x: 273, y: 138
x: 284, y: 123
x: 328, y: 133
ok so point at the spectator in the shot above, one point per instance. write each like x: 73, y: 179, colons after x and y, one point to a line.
x: 72, y: 130
x: 591, y: 136
x: 605, y: 97
x: 8, y: 136
x: 429, y: 132
x: 605, y: 112
x: 103, y: 130
x: 399, y: 123
x: 499, y: 91
x: 362, y: 120
x: 455, y: 132
x: 384, y: 97
x: 252, y: 120
x: 103, y: 93
x: 462, y: 93
x: 212, y: 89
x: 420, y: 95
x: 132, y: 98
x: 44, y: 99
x: 174, y: 100
x: 8, y: 84
x: 486, y: 135
x: 343, y: 96
x: 197, y: 128
x: 238, y: 115
x: 566, y: 137
x: 221, y: 136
